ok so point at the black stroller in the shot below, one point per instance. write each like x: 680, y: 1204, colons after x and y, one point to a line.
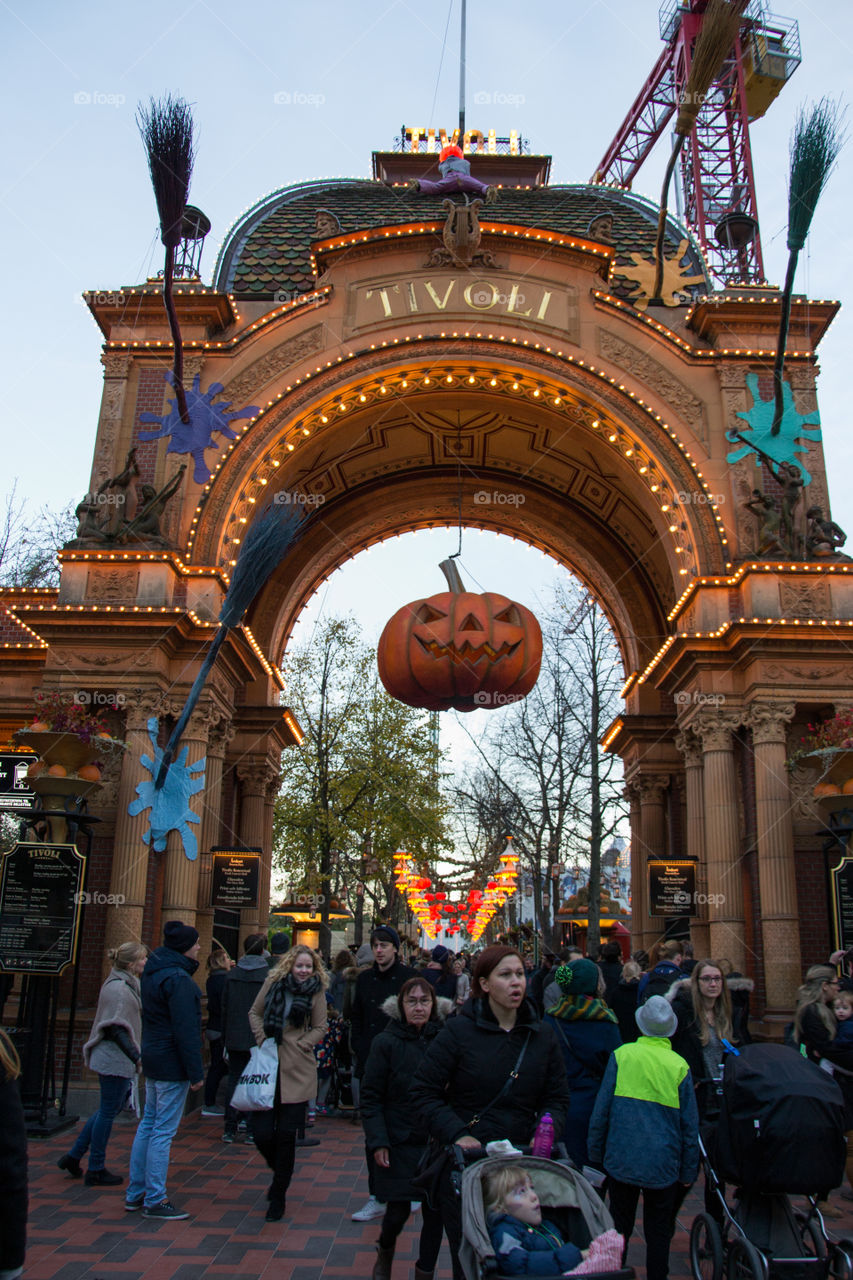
x: 780, y: 1133
x: 571, y: 1203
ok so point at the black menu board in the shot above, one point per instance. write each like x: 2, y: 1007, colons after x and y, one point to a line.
x: 672, y: 887
x: 236, y: 878
x: 40, y: 903
x: 841, y: 891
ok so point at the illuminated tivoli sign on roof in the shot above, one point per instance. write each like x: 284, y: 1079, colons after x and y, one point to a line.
x: 473, y: 140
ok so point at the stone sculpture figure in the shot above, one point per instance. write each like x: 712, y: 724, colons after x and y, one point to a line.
x: 823, y: 537
x: 145, y: 525
x: 769, y: 537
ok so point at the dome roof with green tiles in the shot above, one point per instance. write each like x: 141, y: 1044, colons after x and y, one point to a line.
x: 266, y: 256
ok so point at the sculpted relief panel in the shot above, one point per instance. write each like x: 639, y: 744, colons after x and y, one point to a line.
x: 633, y: 360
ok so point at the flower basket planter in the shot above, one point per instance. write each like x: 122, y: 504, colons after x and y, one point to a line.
x: 64, y: 748
x: 835, y: 766
x: 55, y: 791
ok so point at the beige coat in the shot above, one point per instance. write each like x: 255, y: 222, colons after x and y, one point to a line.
x: 297, y: 1066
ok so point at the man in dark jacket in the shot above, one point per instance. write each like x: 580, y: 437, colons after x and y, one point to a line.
x: 665, y: 972
x: 242, y: 985
x: 373, y: 986
x: 171, y: 1061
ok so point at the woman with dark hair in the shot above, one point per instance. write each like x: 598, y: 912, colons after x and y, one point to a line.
x: 13, y: 1165
x: 393, y: 1130
x: 291, y: 1009
x: 218, y: 964
x: 491, y: 1073
x: 588, y: 1033
x: 623, y: 1002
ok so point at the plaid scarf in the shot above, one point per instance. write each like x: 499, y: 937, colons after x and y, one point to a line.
x: 582, y: 1009
x: 299, y: 1014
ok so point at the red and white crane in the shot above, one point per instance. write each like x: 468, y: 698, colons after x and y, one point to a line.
x: 718, y: 200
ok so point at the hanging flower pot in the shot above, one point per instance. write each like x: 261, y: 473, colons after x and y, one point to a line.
x: 459, y: 650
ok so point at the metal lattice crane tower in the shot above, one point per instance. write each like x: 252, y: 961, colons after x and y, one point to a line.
x: 717, y: 180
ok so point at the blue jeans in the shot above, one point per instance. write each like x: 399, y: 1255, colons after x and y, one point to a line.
x: 149, y: 1156
x: 96, y: 1131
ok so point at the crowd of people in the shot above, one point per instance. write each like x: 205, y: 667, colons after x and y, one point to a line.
x: 448, y: 1054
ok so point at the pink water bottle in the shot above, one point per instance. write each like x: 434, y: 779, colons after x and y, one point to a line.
x: 543, y: 1140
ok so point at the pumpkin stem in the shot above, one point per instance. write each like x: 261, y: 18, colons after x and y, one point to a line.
x: 451, y: 573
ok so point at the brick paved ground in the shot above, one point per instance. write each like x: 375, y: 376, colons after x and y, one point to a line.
x: 83, y: 1233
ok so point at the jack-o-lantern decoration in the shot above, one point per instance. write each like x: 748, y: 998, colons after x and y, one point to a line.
x: 459, y: 650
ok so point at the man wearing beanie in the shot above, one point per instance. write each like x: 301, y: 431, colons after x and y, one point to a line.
x: 644, y: 1131
x: 171, y: 1061
x: 373, y: 986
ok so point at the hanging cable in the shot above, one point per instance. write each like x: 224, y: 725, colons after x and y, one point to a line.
x: 440, y: 64
x: 458, y: 551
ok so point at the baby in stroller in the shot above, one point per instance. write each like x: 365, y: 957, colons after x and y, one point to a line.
x: 522, y: 1241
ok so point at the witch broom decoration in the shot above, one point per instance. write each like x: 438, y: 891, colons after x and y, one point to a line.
x: 272, y: 532
x: 816, y: 142
x: 167, y: 134
x: 719, y: 31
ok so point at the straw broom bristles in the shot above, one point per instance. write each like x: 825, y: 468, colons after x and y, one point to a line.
x: 719, y: 30
x: 815, y: 143
x: 167, y: 135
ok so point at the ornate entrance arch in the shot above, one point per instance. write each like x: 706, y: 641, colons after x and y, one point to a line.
x: 345, y: 360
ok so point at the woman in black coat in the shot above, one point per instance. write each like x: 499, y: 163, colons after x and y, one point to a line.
x: 394, y: 1133
x: 491, y: 1073
x: 13, y: 1163
x: 815, y: 1028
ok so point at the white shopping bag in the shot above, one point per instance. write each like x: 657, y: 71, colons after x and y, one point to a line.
x: 255, y: 1089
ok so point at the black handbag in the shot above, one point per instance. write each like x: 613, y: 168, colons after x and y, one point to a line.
x: 434, y: 1161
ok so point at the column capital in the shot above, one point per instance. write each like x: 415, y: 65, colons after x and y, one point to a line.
x: 257, y: 776
x: 649, y: 788
x: 688, y: 742
x: 142, y: 704
x: 715, y: 728
x: 769, y: 722
x: 116, y: 364
x: 221, y: 733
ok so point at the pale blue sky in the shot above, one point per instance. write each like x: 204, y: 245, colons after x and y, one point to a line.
x: 78, y: 213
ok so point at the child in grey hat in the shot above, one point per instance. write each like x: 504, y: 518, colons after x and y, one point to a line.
x: 644, y: 1131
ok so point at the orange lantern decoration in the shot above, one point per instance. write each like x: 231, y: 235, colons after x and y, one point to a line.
x: 459, y: 650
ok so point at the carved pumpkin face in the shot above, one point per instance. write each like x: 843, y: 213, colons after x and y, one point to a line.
x: 460, y: 650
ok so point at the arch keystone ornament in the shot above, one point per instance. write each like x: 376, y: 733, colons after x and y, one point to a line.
x: 460, y: 651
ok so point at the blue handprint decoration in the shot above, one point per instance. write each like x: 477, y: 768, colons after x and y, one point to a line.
x: 792, y: 438
x: 206, y: 419
x: 170, y: 810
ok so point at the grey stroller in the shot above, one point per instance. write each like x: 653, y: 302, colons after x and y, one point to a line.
x: 566, y: 1197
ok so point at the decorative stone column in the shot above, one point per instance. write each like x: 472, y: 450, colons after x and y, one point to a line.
x: 690, y: 747
x: 129, y: 873
x: 107, y: 450
x: 775, y: 838
x: 639, y: 897
x: 273, y: 788
x: 255, y: 777
x: 180, y: 886
x: 220, y: 733
x: 722, y: 836
x: 653, y: 842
